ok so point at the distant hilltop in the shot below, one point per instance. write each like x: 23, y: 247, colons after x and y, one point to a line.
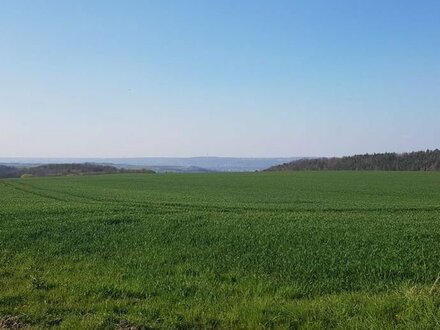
x: 428, y: 160
x: 163, y: 164
x: 63, y: 169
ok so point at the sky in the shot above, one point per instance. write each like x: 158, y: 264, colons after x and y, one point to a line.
x: 249, y: 78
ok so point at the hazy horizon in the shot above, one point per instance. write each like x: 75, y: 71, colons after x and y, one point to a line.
x: 104, y: 79
x: 23, y: 158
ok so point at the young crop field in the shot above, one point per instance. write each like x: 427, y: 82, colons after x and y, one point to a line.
x: 315, y: 250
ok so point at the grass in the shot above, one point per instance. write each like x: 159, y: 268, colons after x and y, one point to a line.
x: 310, y: 250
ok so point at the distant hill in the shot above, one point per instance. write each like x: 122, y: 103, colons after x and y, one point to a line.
x: 69, y: 169
x: 414, y: 161
x: 64, y: 169
x: 164, y: 164
x: 180, y: 169
x: 9, y: 172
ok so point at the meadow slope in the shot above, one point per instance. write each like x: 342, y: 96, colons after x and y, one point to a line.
x: 230, y: 251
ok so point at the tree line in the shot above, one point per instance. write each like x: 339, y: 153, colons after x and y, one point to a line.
x: 64, y: 169
x: 428, y: 160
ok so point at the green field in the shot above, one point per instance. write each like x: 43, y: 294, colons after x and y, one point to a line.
x: 230, y: 251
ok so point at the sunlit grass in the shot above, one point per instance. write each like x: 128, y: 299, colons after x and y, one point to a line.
x: 261, y: 250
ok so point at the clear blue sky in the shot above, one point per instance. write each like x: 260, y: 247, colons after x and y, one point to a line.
x: 225, y: 78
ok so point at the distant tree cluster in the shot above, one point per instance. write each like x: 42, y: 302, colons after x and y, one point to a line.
x: 63, y: 169
x: 428, y: 160
x: 69, y: 169
x: 9, y: 172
